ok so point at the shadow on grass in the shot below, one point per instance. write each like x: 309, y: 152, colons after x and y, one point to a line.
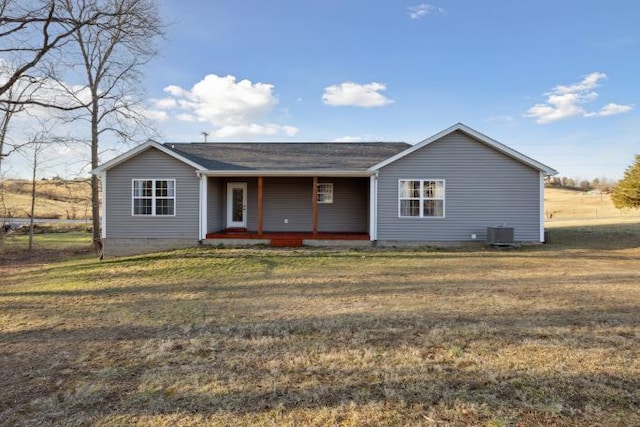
x: 237, y: 358
x: 598, y: 237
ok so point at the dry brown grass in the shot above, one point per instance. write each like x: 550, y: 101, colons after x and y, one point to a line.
x: 539, y: 335
x: 54, y: 199
x: 561, y: 205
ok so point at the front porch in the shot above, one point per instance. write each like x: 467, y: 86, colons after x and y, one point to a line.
x: 286, y: 210
x: 287, y: 239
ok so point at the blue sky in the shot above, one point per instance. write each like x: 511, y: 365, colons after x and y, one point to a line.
x: 556, y: 80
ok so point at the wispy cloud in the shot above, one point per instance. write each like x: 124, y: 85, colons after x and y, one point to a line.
x: 610, y: 109
x: 419, y: 11
x: 235, y: 108
x: 566, y: 101
x: 355, y: 94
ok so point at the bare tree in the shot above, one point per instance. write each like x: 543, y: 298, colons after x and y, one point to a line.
x: 33, y: 151
x: 31, y: 30
x: 112, y: 55
x: 38, y: 146
x: 16, y: 92
x: 11, y: 104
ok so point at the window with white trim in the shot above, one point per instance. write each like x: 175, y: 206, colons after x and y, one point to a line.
x: 325, y: 192
x: 421, y: 198
x: 155, y: 197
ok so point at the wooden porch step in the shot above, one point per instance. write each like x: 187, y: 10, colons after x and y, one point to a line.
x: 286, y: 242
x: 235, y: 230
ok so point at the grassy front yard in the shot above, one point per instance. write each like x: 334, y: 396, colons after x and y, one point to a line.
x: 536, y: 335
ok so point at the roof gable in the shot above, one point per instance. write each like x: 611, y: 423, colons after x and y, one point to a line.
x: 510, y: 152
x: 139, y: 149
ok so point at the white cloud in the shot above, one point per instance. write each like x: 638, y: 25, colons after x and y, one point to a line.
x: 151, y: 114
x: 165, y: 103
x: 568, y: 101
x: 184, y: 117
x: 255, y: 130
x: 610, y: 109
x: 235, y: 108
x: 359, y: 95
x: 349, y: 139
x: 421, y: 10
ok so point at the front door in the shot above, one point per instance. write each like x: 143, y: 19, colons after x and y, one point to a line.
x: 237, y: 205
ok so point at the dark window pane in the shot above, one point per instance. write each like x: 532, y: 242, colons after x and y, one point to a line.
x: 164, y: 206
x: 161, y: 188
x: 142, y: 207
x: 409, y: 208
x: 433, y: 208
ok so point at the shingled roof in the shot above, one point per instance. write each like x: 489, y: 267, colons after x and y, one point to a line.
x: 324, y: 156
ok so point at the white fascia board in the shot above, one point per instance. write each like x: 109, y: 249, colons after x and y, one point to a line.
x: 139, y: 149
x: 476, y: 135
x: 285, y: 173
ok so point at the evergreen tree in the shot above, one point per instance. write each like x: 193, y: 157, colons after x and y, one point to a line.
x: 626, y: 194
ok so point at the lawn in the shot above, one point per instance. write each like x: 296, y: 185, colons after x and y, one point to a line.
x: 536, y: 335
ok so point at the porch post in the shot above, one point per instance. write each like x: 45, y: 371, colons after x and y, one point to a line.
x: 314, y: 199
x: 204, y: 181
x: 260, y: 205
x: 373, y: 207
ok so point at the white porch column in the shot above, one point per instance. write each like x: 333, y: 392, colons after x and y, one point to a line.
x: 103, y: 208
x: 373, y: 207
x: 203, y: 206
x: 542, y: 215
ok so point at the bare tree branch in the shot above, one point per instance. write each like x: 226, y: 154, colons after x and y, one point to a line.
x: 111, y: 55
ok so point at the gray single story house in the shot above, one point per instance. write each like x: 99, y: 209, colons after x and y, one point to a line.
x: 447, y: 188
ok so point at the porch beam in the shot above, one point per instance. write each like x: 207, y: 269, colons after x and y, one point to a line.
x: 260, y: 184
x: 314, y: 198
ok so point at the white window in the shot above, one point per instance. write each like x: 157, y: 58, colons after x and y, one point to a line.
x: 154, y: 197
x: 421, y: 198
x: 325, y: 192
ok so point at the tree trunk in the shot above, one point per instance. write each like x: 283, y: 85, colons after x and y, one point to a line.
x: 95, y: 182
x: 33, y: 197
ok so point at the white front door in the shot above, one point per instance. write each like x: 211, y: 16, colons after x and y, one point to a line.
x: 237, y: 205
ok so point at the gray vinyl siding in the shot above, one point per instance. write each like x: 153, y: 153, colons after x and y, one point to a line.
x: 291, y: 199
x: 287, y: 198
x: 215, y: 205
x: 152, y: 164
x: 349, y: 211
x: 483, y: 187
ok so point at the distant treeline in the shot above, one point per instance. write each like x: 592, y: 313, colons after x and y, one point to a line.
x: 604, y: 185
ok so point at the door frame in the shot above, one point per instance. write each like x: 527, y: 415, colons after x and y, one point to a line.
x: 230, y: 187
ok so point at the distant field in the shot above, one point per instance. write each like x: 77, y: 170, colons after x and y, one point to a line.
x: 563, y: 204
x: 54, y: 199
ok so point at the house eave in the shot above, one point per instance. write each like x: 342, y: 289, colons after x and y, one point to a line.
x: 286, y: 173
